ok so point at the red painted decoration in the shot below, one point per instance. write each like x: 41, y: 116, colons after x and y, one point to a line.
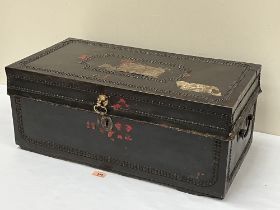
x: 101, y: 130
x: 110, y: 133
x: 122, y: 101
x: 120, y: 104
x: 84, y: 57
x: 93, y: 126
x: 120, y: 131
x: 128, y: 138
x: 128, y: 128
x: 116, y: 106
x: 88, y: 124
x: 118, y: 125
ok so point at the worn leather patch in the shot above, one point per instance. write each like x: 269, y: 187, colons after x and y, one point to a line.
x: 136, y: 68
x: 199, y: 88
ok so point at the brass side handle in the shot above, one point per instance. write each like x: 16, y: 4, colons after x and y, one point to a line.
x: 244, y: 132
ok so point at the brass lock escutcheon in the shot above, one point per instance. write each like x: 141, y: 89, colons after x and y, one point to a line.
x: 101, y: 108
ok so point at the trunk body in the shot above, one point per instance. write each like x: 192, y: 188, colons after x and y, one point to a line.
x: 156, y: 116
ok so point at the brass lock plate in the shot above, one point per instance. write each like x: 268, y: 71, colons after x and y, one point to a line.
x: 101, y: 104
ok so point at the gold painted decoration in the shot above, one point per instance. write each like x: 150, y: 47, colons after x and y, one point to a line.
x: 199, y: 88
x: 136, y: 68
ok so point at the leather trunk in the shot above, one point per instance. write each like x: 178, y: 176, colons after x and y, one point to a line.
x: 181, y: 121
